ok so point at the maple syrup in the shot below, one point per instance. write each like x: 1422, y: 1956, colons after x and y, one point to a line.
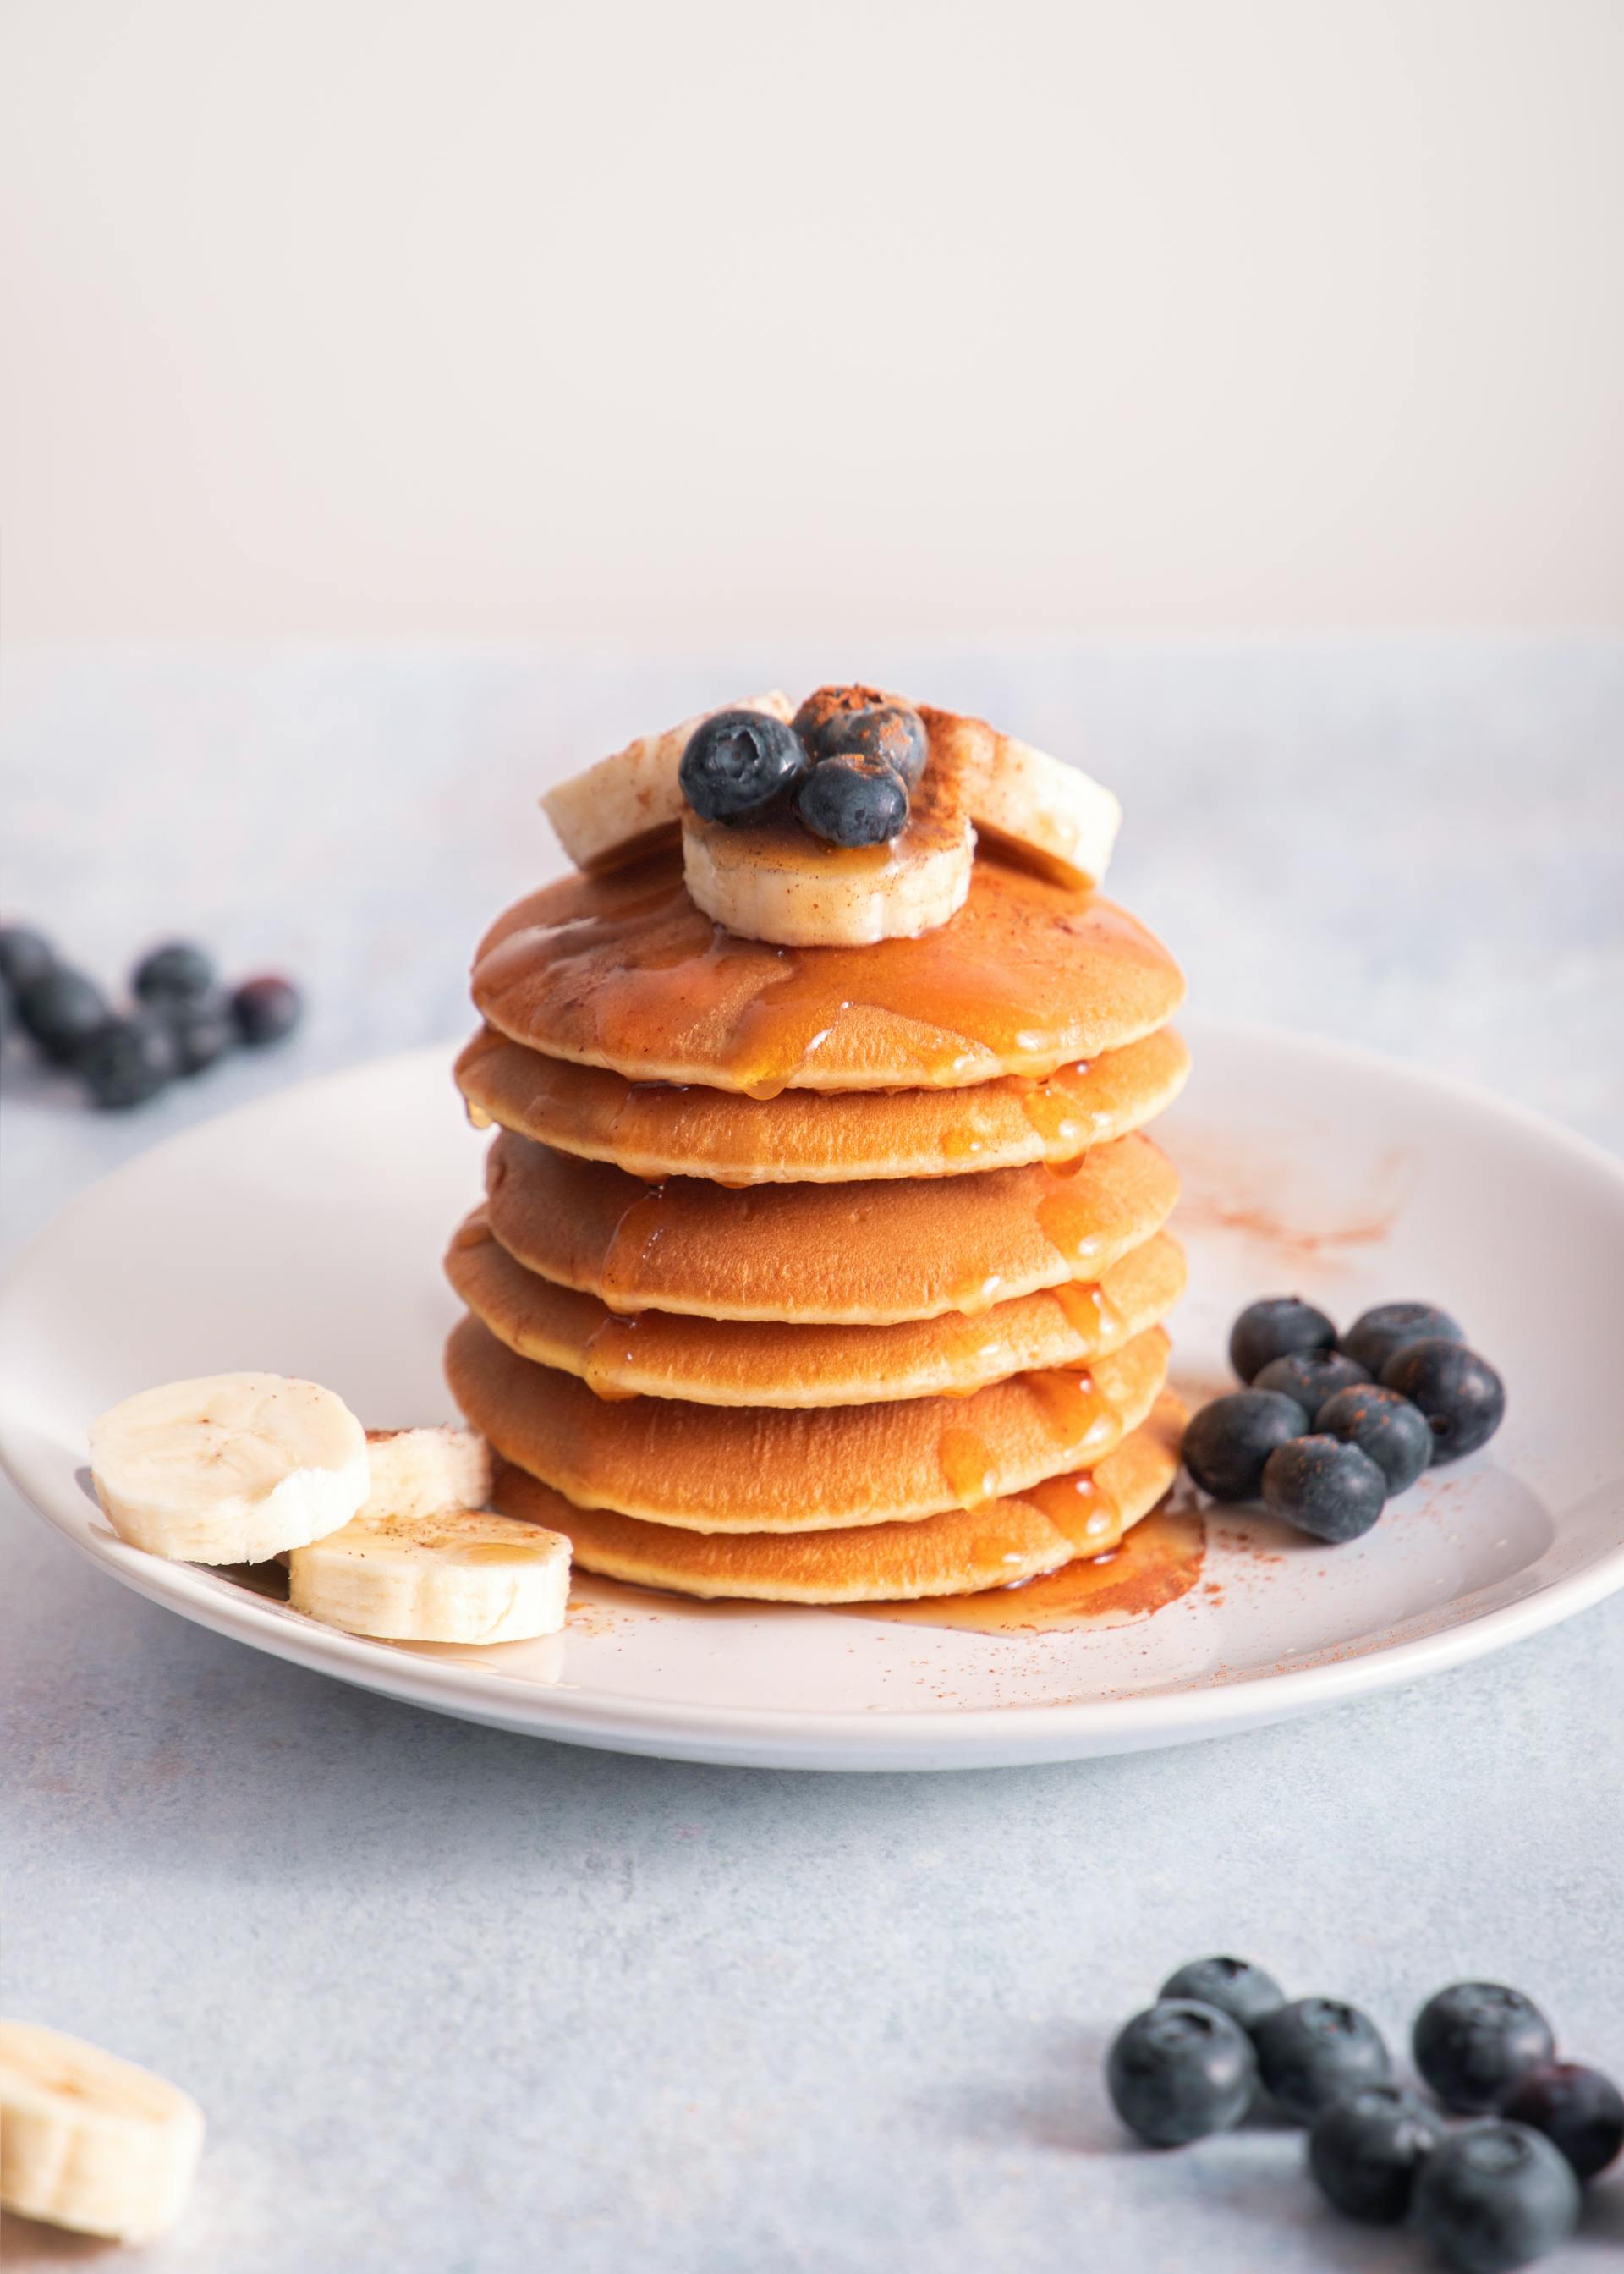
x: 1070, y: 1220
x: 1089, y: 1311
x: 1081, y: 1508
x: 967, y: 1465
x: 1077, y: 1412
x: 611, y: 1348
x: 631, y: 1243
x: 1160, y: 1560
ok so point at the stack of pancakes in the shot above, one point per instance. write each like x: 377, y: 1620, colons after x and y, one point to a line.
x: 822, y: 1275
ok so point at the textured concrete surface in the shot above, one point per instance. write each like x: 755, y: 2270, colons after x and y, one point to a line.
x: 460, y: 2003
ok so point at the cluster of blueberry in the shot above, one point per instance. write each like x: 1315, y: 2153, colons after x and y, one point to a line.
x: 1328, y: 1430
x: 182, y: 1021
x: 1491, y: 2196
x: 849, y: 758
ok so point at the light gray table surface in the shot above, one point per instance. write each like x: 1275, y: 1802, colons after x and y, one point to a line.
x: 457, y: 2003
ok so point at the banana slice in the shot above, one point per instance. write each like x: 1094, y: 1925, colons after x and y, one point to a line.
x: 775, y: 881
x: 230, y: 1468
x: 772, y: 880
x: 610, y: 813
x: 90, y: 2141
x: 418, y: 1472
x: 461, y: 1576
x: 1053, y: 812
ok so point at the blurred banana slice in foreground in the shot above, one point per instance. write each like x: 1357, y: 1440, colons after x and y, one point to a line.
x: 91, y: 2142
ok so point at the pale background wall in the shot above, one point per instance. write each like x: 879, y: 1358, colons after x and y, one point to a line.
x: 684, y: 319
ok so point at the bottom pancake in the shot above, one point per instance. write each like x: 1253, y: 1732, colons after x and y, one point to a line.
x: 958, y: 1553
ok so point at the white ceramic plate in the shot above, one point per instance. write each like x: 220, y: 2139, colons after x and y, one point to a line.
x: 303, y: 1234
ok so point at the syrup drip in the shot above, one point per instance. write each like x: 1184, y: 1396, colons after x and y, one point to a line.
x: 631, y: 1244
x: 1053, y: 1114
x: 966, y: 1464
x: 1090, y: 1311
x: 962, y: 1144
x: 974, y: 1295
x: 1160, y: 1559
x: 1080, y: 1508
x: 1077, y: 1414
x: 611, y: 1349
x: 1070, y: 1224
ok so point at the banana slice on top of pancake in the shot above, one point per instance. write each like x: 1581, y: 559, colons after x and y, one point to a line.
x: 767, y: 876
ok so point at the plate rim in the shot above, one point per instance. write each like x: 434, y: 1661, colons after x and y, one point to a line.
x: 790, y: 1735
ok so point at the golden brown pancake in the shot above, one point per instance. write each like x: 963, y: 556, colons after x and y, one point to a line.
x: 752, y: 1362
x: 622, y: 970
x: 753, y: 1468
x: 958, y: 1552
x: 805, y: 1136
x: 822, y: 1254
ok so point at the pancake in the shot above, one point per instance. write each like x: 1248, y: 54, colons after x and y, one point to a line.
x: 822, y: 1254
x: 802, y: 1136
x: 959, y: 1552
x: 751, y: 1362
x: 623, y: 970
x: 754, y: 1468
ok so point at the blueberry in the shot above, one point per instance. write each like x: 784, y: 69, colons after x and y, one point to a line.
x: 1244, y: 1993
x: 1377, y: 1336
x: 1365, y: 2150
x: 1229, y: 1442
x: 178, y: 971
x: 1273, y: 1328
x: 1475, y: 2040
x: 1311, y: 1377
x: 818, y: 715
x: 737, y: 762
x: 61, y: 1009
x: 1495, y: 2196
x: 889, y: 735
x: 1461, y: 1397
x: 265, y: 1009
x: 126, y: 1061
x: 1388, y: 1428
x: 850, y: 802
x: 1324, y: 1486
x: 204, y: 1031
x: 25, y: 956
x: 1579, y: 2110
x: 1314, y: 2051
x: 1179, y: 2071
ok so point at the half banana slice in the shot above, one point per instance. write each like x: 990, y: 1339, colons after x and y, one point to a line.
x: 426, y: 1472
x: 230, y: 1468
x: 616, y: 809
x: 90, y: 2141
x: 463, y: 1575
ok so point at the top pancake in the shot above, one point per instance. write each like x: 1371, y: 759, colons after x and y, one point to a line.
x: 623, y: 971
x: 661, y: 1129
